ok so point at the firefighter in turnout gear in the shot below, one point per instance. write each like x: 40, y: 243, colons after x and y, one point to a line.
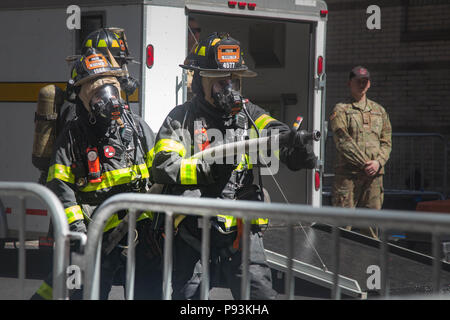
x: 218, y: 69
x: 104, y: 151
x: 55, y: 107
x: 112, y: 41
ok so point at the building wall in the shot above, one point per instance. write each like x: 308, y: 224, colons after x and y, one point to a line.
x: 409, y: 60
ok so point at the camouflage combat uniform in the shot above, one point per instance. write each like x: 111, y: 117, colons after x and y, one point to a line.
x: 361, y: 132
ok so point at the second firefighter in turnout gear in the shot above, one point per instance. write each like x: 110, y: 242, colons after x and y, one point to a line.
x: 104, y: 151
x: 218, y: 69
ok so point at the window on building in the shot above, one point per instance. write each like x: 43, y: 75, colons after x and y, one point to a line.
x: 90, y: 21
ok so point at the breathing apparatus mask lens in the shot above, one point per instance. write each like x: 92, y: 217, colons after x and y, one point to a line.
x: 106, y: 102
x: 227, y: 96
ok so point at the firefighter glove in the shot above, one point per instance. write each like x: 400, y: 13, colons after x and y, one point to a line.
x: 78, y: 226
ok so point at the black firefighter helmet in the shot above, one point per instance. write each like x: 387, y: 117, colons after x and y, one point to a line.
x: 112, y: 39
x: 93, y: 64
x: 218, y: 55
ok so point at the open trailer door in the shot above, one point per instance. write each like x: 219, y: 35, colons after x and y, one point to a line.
x: 284, y: 42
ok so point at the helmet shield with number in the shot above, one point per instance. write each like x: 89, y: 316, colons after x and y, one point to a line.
x: 218, y: 55
x: 91, y: 66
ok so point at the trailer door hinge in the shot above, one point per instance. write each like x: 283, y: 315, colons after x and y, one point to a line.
x: 319, y: 83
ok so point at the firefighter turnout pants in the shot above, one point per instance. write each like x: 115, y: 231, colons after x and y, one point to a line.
x: 225, y: 267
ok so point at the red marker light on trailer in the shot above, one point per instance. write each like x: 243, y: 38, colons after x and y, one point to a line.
x: 232, y: 4
x: 317, y: 180
x: 323, y: 13
x: 150, y: 56
x: 242, y: 5
x: 251, y: 6
x: 319, y: 65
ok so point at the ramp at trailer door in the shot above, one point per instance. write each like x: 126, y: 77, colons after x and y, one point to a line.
x: 409, y: 272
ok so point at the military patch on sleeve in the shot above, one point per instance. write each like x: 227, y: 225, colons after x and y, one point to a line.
x: 333, y: 115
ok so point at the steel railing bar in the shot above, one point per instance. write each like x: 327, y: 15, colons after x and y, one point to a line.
x: 206, y: 244
x: 168, y: 256
x: 247, y: 210
x: 289, y: 283
x: 60, y: 227
x: 130, y: 276
x: 336, y: 290
x: 22, y: 253
x: 245, y: 283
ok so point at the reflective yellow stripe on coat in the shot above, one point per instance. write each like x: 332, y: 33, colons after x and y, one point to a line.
x: 149, y: 158
x: 74, y: 213
x: 188, y: 171
x: 61, y: 172
x: 169, y: 145
x: 118, y: 177
x: 230, y: 222
x: 45, y: 291
x: 263, y: 121
x: 114, y: 220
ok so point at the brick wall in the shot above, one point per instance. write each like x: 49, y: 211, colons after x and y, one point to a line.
x: 409, y: 59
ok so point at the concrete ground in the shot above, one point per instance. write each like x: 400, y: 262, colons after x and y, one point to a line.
x: 38, y: 264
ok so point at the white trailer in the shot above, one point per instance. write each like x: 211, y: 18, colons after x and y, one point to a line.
x: 283, y: 41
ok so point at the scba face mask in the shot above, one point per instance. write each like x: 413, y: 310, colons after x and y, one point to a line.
x: 107, y: 103
x: 227, y: 96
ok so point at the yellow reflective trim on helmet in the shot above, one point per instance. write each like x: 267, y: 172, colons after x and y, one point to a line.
x: 74, y: 213
x: 88, y: 43
x: 102, y: 44
x: 215, y: 41
x: 169, y: 145
x: 117, y: 177
x: 263, y: 121
x: 61, y: 172
x: 202, y: 51
x: 115, y: 44
x: 188, y: 171
x: 45, y: 291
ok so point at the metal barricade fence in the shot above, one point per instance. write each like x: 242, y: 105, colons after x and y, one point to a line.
x: 60, y: 227
x: 417, y: 164
x: 437, y: 224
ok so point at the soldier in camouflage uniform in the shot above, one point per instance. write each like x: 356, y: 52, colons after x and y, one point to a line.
x: 362, y: 134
